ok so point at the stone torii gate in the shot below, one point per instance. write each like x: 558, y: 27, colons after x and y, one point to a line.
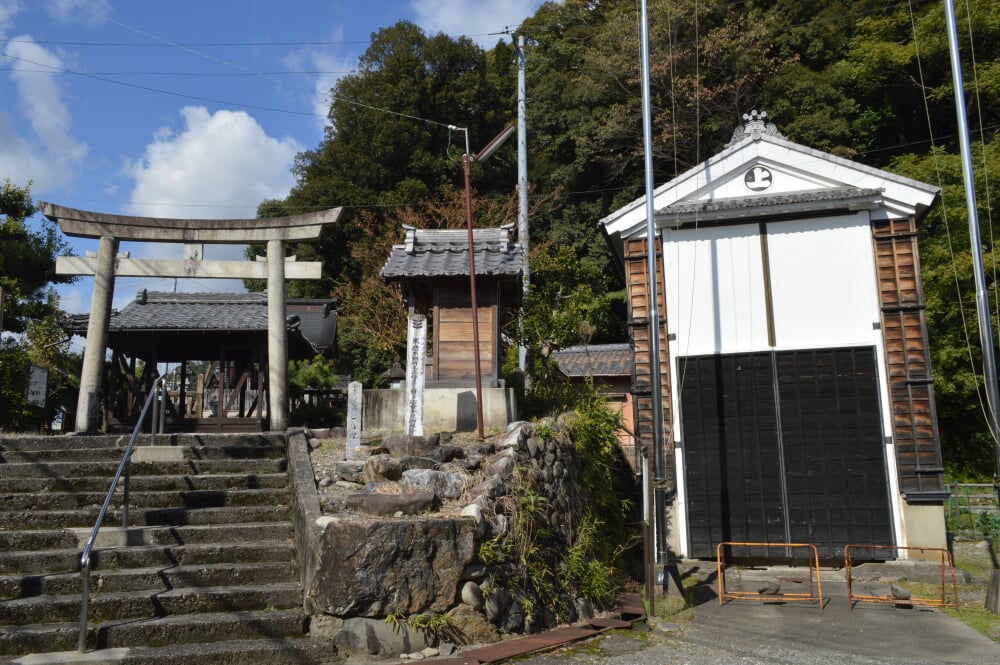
x: 193, y: 233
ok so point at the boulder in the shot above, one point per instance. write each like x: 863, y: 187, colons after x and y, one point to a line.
x: 380, y: 468
x: 443, y: 484
x: 374, y: 637
x: 400, y: 445
x: 471, y: 626
x: 351, y: 471
x: 375, y: 568
x: 472, y: 595
x: 515, y: 439
x: 390, y: 504
x: 445, y: 454
x: 416, y: 462
x: 496, y: 604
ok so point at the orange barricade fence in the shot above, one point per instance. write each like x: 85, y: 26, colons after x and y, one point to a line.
x: 947, y: 567
x: 814, y: 595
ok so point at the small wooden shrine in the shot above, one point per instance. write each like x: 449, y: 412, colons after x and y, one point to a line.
x: 432, y: 266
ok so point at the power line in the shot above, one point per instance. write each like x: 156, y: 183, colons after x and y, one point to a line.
x: 160, y: 90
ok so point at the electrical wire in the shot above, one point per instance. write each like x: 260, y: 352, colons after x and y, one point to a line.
x: 944, y: 219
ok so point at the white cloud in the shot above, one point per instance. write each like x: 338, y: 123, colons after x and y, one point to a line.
x: 51, y: 154
x: 478, y: 19
x: 322, y: 60
x: 9, y: 9
x: 89, y: 12
x: 219, y: 165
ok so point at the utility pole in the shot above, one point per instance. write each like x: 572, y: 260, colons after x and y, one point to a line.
x: 522, y: 181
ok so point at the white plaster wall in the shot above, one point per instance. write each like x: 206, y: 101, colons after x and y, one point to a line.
x: 715, y: 290
x: 823, y: 283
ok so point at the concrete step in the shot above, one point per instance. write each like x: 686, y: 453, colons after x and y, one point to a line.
x: 26, y: 443
x: 113, y: 536
x: 214, y: 498
x: 162, y: 578
x: 140, y: 483
x: 115, y: 454
x: 64, y: 561
x: 142, y: 605
x: 85, y: 517
x: 272, y: 651
x: 107, y: 470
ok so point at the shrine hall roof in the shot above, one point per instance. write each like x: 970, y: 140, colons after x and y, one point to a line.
x: 314, y: 320
x: 445, y: 253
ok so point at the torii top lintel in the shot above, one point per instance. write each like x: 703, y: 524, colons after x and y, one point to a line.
x: 85, y: 224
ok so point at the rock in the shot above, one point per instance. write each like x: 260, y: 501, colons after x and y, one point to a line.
x: 415, y: 462
x: 485, y: 449
x: 375, y: 450
x: 472, y: 595
x: 513, y: 620
x: 532, y: 444
x: 400, y: 445
x: 351, y: 471
x: 493, y: 487
x: 324, y: 626
x: 323, y: 433
x: 314, y: 443
x: 390, y: 504
x: 445, y: 454
x: 769, y: 589
x: 325, y: 481
x: 500, y: 527
x: 379, y: 468
x: 474, y: 511
x: 347, y: 485
x: 474, y: 571
x: 471, y: 626
x: 504, y: 464
x: 375, y: 637
x: 444, y: 484
x: 321, y: 522
x: 900, y: 592
x: 471, y: 462
x: 496, y: 604
x: 430, y: 652
x: 376, y: 567
x: 446, y: 648
x: 514, y: 439
x: 416, y: 655
x: 584, y: 609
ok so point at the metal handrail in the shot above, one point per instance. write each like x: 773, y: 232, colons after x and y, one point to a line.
x: 125, y: 467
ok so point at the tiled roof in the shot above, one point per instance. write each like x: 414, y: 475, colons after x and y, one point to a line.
x: 193, y: 311
x: 837, y: 194
x: 445, y: 253
x: 162, y: 311
x: 595, y: 360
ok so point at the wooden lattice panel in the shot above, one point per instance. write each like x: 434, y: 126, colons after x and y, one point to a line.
x: 904, y: 330
x: 637, y: 283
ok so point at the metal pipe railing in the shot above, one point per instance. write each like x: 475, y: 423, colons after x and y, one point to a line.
x: 123, y: 467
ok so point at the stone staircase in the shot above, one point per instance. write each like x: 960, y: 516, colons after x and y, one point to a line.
x: 206, y: 573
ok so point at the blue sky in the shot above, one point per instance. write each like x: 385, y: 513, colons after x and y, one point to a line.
x: 188, y: 108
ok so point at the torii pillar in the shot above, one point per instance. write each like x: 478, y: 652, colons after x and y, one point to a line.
x: 193, y: 233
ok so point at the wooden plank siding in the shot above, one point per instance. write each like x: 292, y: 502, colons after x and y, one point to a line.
x: 453, y: 349
x: 636, y: 277
x: 911, y: 390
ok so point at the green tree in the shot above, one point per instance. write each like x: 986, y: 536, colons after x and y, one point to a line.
x: 949, y: 292
x: 30, y: 310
